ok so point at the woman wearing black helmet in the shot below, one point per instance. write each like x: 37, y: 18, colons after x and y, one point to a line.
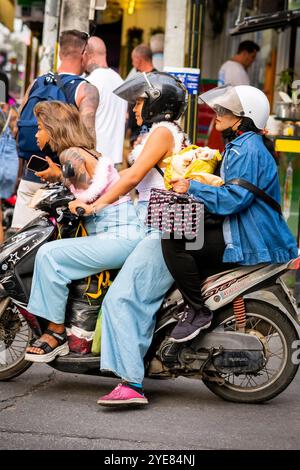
x: 129, y: 308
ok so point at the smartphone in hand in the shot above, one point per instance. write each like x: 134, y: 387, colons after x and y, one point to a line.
x: 37, y: 163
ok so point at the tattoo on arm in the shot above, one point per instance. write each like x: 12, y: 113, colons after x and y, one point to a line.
x: 78, y: 163
x: 88, y: 106
x: 71, y: 155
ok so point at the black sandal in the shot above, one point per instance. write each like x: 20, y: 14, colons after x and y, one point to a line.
x: 62, y: 349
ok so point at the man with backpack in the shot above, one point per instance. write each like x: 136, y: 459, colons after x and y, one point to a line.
x: 66, y: 86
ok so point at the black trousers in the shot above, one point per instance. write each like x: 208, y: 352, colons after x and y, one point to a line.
x: 190, y: 267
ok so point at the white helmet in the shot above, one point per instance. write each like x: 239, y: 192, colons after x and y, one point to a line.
x: 241, y: 100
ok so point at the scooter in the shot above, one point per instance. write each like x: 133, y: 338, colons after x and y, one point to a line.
x: 8, y: 206
x: 249, y: 354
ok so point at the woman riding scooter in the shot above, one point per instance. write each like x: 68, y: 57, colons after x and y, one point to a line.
x: 130, y: 306
x: 252, y: 231
x: 113, y: 233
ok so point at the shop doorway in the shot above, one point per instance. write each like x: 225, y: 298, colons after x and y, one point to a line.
x: 111, y: 35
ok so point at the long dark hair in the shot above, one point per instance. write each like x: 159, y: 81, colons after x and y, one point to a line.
x: 248, y: 125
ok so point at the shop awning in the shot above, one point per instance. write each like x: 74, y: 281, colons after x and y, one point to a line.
x: 278, y: 20
x: 7, y: 13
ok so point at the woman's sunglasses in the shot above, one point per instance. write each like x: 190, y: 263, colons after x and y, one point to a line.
x: 220, y: 111
x: 86, y: 37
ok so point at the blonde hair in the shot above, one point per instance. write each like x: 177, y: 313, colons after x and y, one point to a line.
x: 63, y: 125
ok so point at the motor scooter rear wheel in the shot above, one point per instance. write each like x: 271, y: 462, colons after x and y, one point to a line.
x: 279, y: 339
x: 15, y: 335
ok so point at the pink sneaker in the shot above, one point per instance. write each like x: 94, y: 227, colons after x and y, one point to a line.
x: 122, y: 395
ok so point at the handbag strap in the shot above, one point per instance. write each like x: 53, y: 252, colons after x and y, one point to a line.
x: 257, y: 192
x: 251, y: 187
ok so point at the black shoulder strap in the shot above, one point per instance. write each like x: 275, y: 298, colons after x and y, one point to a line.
x: 94, y: 154
x: 159, y: 170
x: 257, y: 192
x: 60, y: 85
x: 251, y: 187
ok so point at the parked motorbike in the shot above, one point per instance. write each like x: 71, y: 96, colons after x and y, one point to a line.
x: 8, y: 206
x: 247, y: 354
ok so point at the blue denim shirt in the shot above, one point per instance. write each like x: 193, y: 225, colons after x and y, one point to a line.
x: 253, y: 231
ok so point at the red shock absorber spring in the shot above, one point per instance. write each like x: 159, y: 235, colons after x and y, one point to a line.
x: 239, y: 311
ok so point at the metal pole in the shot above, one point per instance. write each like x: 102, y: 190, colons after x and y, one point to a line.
x: 50, y: 36
x: 197, y: 11
x: 293, y: 43
x: 74, y: 15
x: 175, y: 33
x: 240, y: 13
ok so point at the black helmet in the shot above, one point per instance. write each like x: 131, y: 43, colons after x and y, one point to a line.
x: 165, y: 96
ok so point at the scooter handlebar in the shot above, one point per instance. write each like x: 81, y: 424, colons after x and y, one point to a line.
x: 80, y: 211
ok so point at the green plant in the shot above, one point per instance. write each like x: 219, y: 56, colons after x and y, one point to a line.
x: 286, y: 78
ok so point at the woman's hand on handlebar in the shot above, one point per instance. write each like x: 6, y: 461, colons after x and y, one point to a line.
x: 73, y: 205
x: 180, y: 186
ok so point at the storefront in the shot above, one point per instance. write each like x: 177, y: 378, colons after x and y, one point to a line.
x: 288, y: 148
x: 124, y: 24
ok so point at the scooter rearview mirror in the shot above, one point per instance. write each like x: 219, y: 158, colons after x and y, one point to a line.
x: 68, y: 170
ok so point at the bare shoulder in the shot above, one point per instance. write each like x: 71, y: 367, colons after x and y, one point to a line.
x: 161, y: 136
x: 87, y: 90
x: 162, y: 132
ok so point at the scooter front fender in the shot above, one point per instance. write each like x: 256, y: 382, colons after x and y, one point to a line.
x: 17, y: 247
x: 17, y: 258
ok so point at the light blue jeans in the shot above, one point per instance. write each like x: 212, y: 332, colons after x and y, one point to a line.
x: 129, y: 308
x: 57, y: 263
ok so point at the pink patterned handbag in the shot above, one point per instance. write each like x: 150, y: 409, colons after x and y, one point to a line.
x: 174, y: 213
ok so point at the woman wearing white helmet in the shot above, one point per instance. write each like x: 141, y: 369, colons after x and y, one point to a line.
x: 250, y: 231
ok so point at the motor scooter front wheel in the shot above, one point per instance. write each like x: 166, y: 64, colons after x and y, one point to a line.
x: 15, y: 335
x: 279, y: 339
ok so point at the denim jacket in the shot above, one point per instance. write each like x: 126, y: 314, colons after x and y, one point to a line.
x: 253, y: 232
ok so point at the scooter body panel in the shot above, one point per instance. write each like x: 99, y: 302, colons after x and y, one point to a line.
x: 17, y: 258
x: 232, y: 340
x: 222, y: 289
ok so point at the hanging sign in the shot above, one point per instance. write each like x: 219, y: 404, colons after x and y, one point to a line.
x: 190, y: 77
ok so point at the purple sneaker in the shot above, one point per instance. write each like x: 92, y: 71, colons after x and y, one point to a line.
x: 190, y: 324
x: 122, y: 395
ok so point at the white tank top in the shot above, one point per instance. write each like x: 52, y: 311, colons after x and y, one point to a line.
x: 153, y: 178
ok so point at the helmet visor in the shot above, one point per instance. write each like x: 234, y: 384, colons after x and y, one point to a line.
x: 133, y: 89
x: 223, y: 97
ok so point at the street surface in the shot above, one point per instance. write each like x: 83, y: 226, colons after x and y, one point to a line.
x: 46, y: 409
